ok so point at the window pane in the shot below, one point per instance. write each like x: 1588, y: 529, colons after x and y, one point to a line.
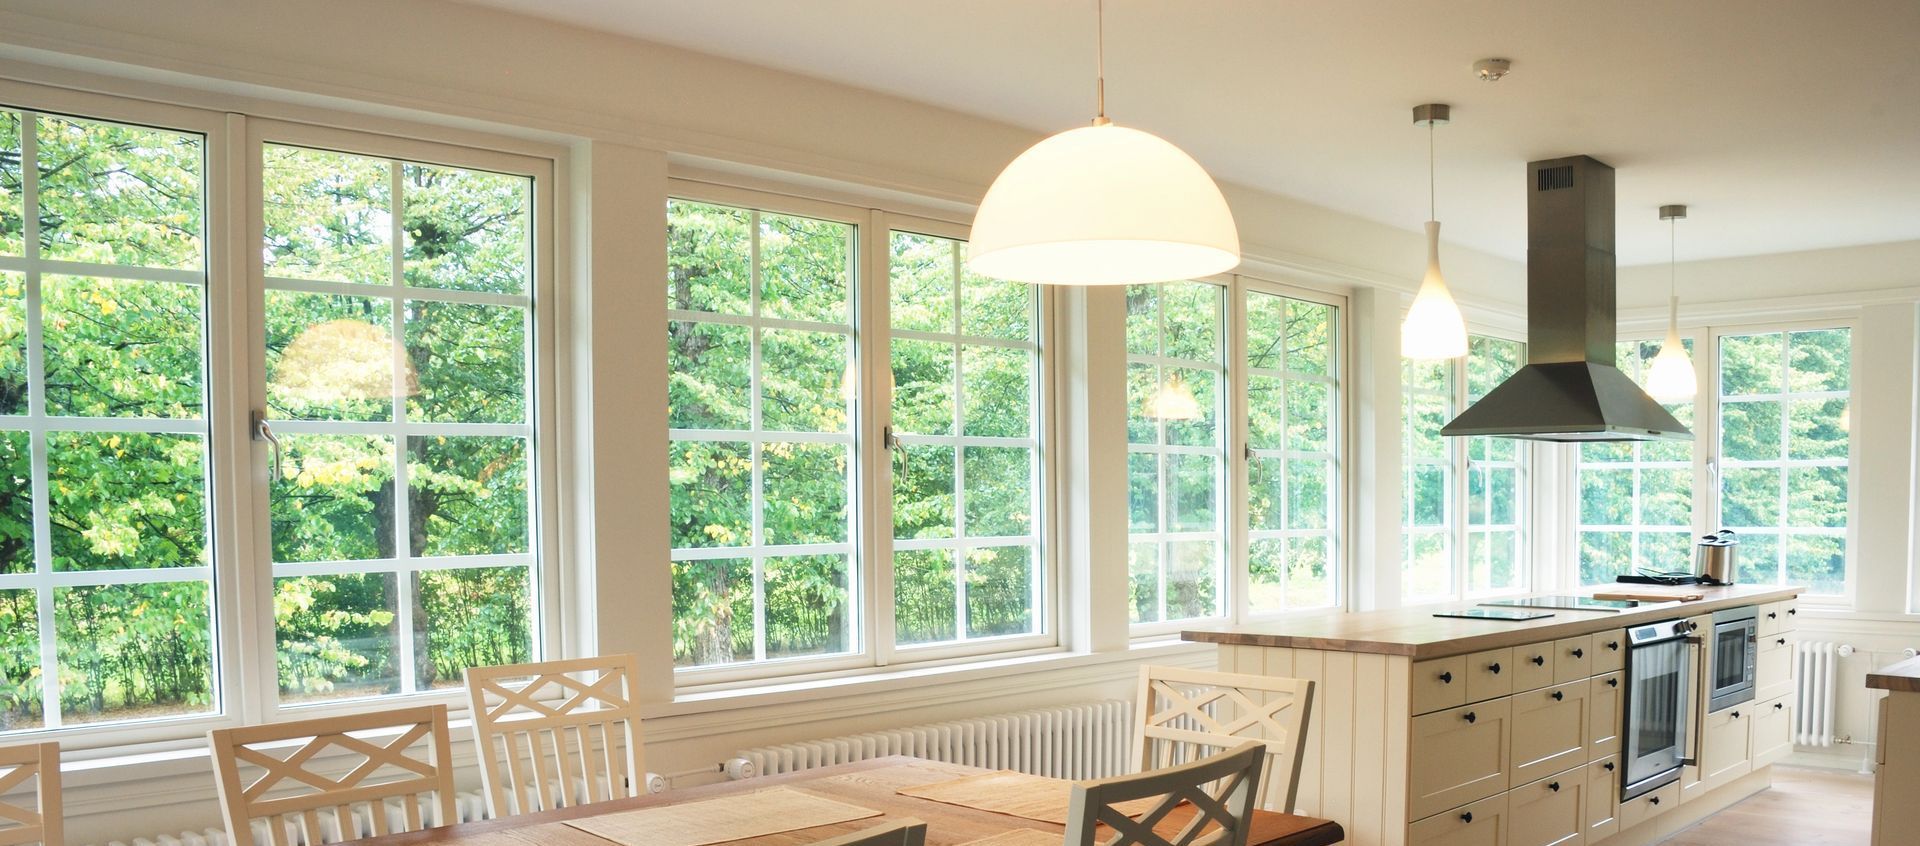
x: 337, y: 636
x: 1309, y: 416
x: 12, y: 216
x: 996, y: 390
x: 1310, y: 571
x: 1817, y: 429
x: 923, y: 595
x: 1177, y: 388
x: 711, y: 502
x: 1143, y: 570
x: 16, y: 504
x: 808, y: 609
x: 1819, y: 361
x: 1310, y: 494
x: 467, y: 229
x: 1193, y: 579
x: 1193, y: 486
x: 477, y: 617
x: 21, y: 705
x: 806, y: 493
x: 1429, y: 569
x: 330, y: 357
x: 1750, y: 364
x: 467, y: 495
x: 1000, y: 591
x: 1605, y: 556
x: 1636, y: 499
x: 709, y: 381
x: 994, y: 308
x: 923, y: 493
x: 1310, y: 338
x: 1143, y: 319
x: 999, y: 491
x: 116, y: 194
x: 336, y: 503
x: 801, y: 380
x: 134, y: 651
x: 1143, y: 386
x: 127, y: 501
x: 920, y: 284
x: 122, y: 348
x: 1202, y: 427
x: 1817, y: 497
x: 1266, y: 411
x: 327, y: 215
x: 466, y: 363
x: 712, y: 611
x: 1192, y: 320
x: 1818, y: 561
x: 13, y: 341
x: 1750, y: 497
x: 923, y: 384
x: 1750, y: 431
x: 805, y: 268
x: 1143, y: 492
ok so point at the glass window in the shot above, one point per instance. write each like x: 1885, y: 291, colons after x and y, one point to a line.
x: 966, y: 457
x: 1783, y: 408
x: 761, y: 397
x: 1496, y: 502
x: 1427, y: 480
x: 1463, y: 512
x: 398, y: 339
x: 106, y: 565
x: 1176, y: 451
x: 1636, y: 498
x: 1291, y: 365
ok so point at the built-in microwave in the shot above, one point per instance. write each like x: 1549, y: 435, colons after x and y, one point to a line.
x: 1736, y: 637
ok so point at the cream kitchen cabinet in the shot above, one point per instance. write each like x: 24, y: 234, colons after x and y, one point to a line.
x: 1603, y: 714
x: 1439, y: 684
x: 1572, y: 659
x: 1489, y: 675
x: 1533, y: 666
x: 1773, y: 667
x: 1603, y: 798
x: 1549, y: 812
x: 1482, y: 823
x: 1460, y: 755
x: 1726, y: 747
x: 1772, y: 731
x: 1549, y: 730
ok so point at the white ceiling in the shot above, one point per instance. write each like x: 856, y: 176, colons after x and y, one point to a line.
x: 1784, y: 124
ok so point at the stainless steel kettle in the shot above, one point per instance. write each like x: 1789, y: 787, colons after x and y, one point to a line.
x: 1713, y: 558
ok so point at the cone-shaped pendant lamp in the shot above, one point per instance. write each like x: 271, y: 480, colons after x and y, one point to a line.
x: 1433, y: 328
x: 1103, y: 205
x: 1670, y: 378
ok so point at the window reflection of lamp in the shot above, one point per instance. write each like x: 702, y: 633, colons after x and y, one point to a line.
x: 1174, y: 401
x: 340, y: 361
x: 1846, y: 417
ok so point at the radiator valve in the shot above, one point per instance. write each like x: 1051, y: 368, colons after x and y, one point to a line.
x: 1846, y: 650
x: 739, y: 769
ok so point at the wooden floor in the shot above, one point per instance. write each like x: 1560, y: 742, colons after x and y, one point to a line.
x: 1805, y: 807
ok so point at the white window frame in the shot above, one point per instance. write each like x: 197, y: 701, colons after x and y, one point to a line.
x: 871, y: 539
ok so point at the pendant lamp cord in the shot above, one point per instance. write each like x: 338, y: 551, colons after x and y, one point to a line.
x: 1432, y: 212
x: 1673, y: 255
x: 1100, y: 63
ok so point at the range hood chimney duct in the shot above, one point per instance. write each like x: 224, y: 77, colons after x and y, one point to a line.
x: 1571, y: 388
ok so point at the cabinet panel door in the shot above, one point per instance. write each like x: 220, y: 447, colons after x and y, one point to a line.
x: 1603, y: 715
x: 1483, y: 823
x: 1609, y: 651
x: 1572, y: 659
x: 1549, y: 730
x: 1440, y: 683
x: 1489, y: 674
x: 1726, y: 748
x: 1772, y: 731
x: 1459, y: 756
x: 1603, y: 798
x: 1773, y: 667
x: 1774, y: 619
x: 1533, y: 666
x: 1548, y: 812
x: 1645, y: 807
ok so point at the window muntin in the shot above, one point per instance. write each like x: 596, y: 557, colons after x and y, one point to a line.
x: 761, y: 397
x: 1495, y: 475
x: 106, y: 561
x: 1784, y: 450
x: 966, y: 452
x: 1291, y: 366
x: 1176, y: 450
x: 1635, y: 499
x: 398, y: 347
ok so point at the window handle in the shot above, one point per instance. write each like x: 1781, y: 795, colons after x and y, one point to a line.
x: 263, y: 431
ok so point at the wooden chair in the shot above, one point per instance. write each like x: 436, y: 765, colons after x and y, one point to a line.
x: 569, y: 736
x: 1183, y: 714
x: 40, y: 823
x: 1221, y: 791
x: 327, y: 807
x: 906, y: 831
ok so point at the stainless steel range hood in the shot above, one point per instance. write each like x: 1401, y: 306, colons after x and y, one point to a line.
x: 1571, y: 388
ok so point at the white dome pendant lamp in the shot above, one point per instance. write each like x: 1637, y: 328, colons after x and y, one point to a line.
x: 1670, y: 378
x: 1103, y: 205
x: 1433, y: 329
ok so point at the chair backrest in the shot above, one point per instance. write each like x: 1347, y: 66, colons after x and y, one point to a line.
x: 905, y: 831
x: 41, y: 822
x: 558, y: 733
x: 1221, y: 790
x: 347, y: 800
x: 1184, y: 714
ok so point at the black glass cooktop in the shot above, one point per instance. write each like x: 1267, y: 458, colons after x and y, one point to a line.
x: 1571, y: 603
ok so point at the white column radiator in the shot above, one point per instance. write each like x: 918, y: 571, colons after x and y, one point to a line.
x: 1816, y: 671
x: 1088, y: 740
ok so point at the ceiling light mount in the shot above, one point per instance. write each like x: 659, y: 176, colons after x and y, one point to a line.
x: 1492, y: 70
x: 1432, y: 114
x: 1673, y: 212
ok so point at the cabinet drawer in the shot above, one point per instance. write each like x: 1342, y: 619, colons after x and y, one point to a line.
x: 1548, y: 812
x: 1489, y: 674
x: 1603, y: 715
x: 1777, y: 617
x: 1726, y: 744
x: 1440, y: 683
x: 1609, y: 651
x: 1458, y: 756
x: 1772, y: 731
x: 1533, y: 666
x: 1572, y: 659
x: 1773, y: 667
x: 1603, y: 798
x: 1483, y: 823
x: 1549, y: 730
x: 1645, y: 807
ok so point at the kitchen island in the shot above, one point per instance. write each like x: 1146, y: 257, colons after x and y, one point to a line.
x: 1896, y: 779
x: 1430, y: 730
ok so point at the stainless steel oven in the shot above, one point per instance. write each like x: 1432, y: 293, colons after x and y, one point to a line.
x: 1736, y: 637
x: 1659, y: 678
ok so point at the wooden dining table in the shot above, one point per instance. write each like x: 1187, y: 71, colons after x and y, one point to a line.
x: 869, y: 784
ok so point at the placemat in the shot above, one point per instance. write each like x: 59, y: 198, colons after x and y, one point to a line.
x: 1019, y: 837
x: 1026, y: 796
x: 721, y: 819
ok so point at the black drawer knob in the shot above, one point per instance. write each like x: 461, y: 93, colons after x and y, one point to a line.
x: 1613, y: 682
x: 1613, y: 645
x: 1554, y: 786
x: 1736, y: 715
x: 1467, y: 817
x: 1446, y: 678
x: 1579, y: 653
x: 1654, y: 801
x: 1470, y: 716
x: 1559, y: 695
x: 1793, y: 611
x: 1779, y: 705
x: 1772, y: 616
x: 1780, y: 641
x: 1539, y: 660
x: 1609, y: 766
x: 1494, y: 668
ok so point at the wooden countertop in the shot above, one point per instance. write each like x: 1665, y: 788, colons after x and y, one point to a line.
x: 1903, y: 677
x: 1415, y: 632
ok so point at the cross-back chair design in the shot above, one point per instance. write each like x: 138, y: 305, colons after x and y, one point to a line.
x: 39, y: 823
x: 1184, y: 714
x: 568, y: 735
x: 906, y: 831
x: 299, y: 803
x: 1220, y: 790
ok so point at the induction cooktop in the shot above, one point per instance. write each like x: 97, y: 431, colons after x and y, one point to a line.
x: 1570, y: 603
